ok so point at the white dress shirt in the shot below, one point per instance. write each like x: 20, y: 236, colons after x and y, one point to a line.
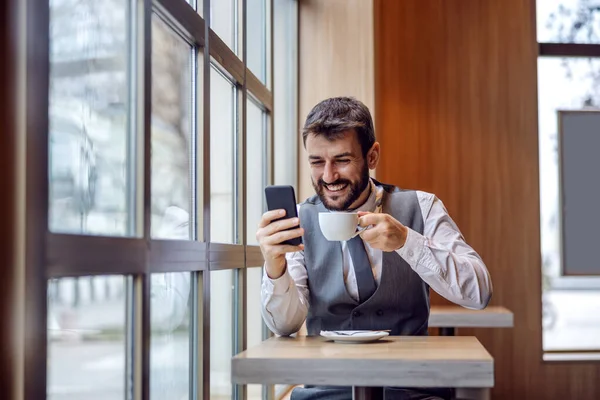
x: 440, y: 256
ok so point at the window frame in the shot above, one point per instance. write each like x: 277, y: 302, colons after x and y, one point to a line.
x: 566, y: 50
x: 570, y: 50
x: 58, y: 255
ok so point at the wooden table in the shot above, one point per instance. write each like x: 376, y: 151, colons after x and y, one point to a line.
x: 448, y: 318
x: 404, y: 361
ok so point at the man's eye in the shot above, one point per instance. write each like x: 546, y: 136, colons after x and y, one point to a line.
x: 316, y: 163
x: 343, y: 161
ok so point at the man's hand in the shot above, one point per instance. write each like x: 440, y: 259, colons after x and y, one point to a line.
x: 271, y: 234
x: 386, y: 233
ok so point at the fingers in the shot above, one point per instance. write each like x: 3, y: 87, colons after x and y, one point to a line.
x: 282, y: 236
x: 270, y: 216
x: 369, y: 235
x: 271, y: 234
x: 279, y: 250
x: 374, y: 237
x: 385, y: 233
x: 370, y: 219
x: 279, y: 226
x: 272, y: 248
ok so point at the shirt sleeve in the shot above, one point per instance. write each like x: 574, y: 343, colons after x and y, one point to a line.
x: 285, y: 299
x: 444, y: 260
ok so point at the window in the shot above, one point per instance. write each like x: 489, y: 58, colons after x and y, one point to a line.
x: 171, y: 168
x: 568, y: 21
x: 256, y: 150
x: 86, y: 337
x: 170, y: 324
x: 160, y: 142
x: 223, y: 145
x: 221, y: 333
x: 223, y: 20
x: 568, y: 80
x: 258, y: 28
x: 254, y: 326
x: 89, y: 133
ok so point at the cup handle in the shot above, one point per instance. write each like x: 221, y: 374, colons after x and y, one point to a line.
x: 359, y: 229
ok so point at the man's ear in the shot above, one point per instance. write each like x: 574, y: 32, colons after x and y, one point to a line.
x: 373, y: 156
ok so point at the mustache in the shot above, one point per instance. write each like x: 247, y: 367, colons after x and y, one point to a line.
x: 321, y: 182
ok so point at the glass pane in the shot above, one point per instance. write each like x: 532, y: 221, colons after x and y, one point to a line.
x: 91, y: 183
x: 568, y: 21
x: 256, y: 159
x: 564, y: 84
x: 222, y: 158
x: 285, y: 90
x: 223, y: 17
x: 86, y: 338
x: 170, y: 339
x: 254, y: 324
x: 256, y: 40
x: 221, y: 333
x: 171, y: 126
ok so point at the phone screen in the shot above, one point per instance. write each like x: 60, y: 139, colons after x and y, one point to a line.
x: 283, y: 197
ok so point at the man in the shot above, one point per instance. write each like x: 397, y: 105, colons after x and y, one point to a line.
x: 378, y: 280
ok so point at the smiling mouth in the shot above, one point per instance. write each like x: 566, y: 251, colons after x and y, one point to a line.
x: 336, y: 188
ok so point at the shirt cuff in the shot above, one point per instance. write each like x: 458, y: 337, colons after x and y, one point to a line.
x: 413, y: 248
x: 280, y: 285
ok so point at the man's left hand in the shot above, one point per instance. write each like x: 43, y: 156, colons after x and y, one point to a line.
x: 386, y: 233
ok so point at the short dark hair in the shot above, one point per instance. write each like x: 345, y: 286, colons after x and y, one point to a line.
x: 332, y: 117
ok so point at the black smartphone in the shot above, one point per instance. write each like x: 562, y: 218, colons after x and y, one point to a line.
x: 283, y: 197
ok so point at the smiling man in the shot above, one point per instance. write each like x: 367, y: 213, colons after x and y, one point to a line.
x: 378, y: 280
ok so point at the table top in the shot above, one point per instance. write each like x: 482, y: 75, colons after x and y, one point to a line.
x: 460, y: 317
x: 414, y: 361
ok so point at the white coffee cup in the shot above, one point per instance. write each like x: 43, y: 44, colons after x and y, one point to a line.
x: 339, y: 226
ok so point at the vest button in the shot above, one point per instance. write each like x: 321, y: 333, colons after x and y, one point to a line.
x: 356, y: 313
x: 379, y: 313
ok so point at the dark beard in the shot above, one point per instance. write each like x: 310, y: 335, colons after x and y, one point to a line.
x: 354, y: 193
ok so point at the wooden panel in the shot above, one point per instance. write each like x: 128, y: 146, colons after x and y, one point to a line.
x: 34, y: 161
x: 11, y: 260
x: 254, y: 257
x: 82, y: 255
x: 335, y: 59
x: 181, y: 15
x: 456, y: 109
x: 226, y: 256
x: 226, y: 58
x: 177, y: 256
x: 417, y: 361
x: 259, y: 90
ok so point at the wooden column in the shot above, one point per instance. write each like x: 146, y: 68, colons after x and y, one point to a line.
x: 335, y: 59
x: 9, y: 272
x: 456, y: 107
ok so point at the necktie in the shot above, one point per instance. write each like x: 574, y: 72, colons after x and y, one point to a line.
x: 362, y: 268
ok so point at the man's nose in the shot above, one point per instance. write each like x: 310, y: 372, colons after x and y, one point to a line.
x: 330, y: 174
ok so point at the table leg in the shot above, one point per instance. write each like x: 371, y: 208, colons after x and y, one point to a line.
x: 367, y: 393
x: 473, y: 394
x: 447, y: 331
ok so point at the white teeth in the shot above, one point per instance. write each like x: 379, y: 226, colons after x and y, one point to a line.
x: 336, y: 188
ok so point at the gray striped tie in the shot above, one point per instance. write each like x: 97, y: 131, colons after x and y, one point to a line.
x: 362, y: 268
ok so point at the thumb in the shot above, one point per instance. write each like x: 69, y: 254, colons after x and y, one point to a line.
x: 363, y: 213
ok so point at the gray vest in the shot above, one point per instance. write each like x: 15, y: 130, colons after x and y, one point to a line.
x: 401, y: 301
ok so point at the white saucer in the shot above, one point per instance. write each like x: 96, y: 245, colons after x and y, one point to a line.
x: 354, y: 336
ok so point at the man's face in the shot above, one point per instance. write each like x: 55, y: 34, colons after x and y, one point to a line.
x: 339, y: 172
